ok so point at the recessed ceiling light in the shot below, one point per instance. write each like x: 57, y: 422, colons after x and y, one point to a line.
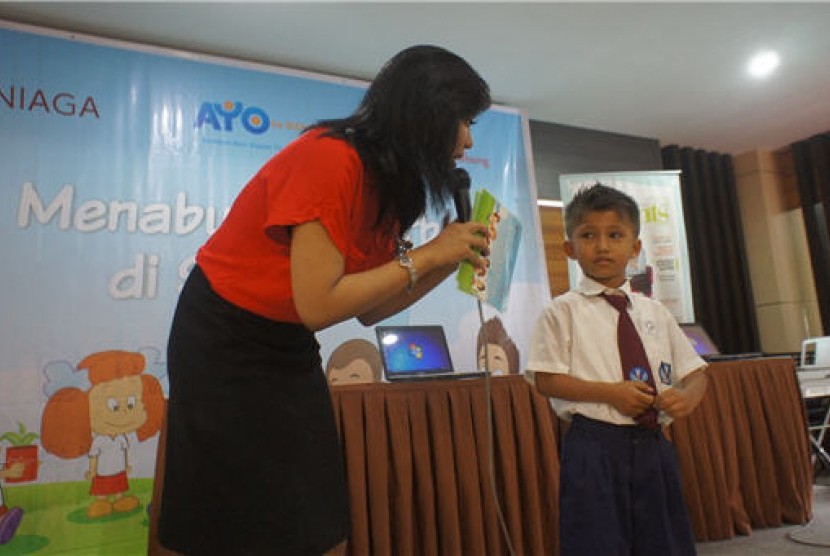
x: 764, y: 63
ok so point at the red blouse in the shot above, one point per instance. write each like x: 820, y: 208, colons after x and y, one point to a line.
x: 247, y: 260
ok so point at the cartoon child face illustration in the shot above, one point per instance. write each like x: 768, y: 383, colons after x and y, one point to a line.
x: 496, y: 359
x: 502, y: 355
x: 116, y: 407
x: 357, y: 372
x: 354, y: 361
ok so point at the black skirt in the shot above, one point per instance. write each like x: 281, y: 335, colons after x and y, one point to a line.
x: 253, y: 464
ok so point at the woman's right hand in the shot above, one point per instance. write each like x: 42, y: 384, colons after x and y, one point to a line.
x: 459, y: 241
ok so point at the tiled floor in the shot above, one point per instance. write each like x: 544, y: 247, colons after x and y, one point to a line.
x: 792, y: 540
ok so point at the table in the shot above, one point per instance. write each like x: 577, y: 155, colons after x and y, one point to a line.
x: 419, y: 478
x: 744, y: 453
x: 417, y: 465
x: 815, y: 389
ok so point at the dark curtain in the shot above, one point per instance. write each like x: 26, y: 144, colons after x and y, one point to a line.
x: 721, y: 284
x: 811, y: 158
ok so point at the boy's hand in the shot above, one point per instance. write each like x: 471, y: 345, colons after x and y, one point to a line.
x: 675, y: 402
x: 679, y: 402
x: 632, y: 397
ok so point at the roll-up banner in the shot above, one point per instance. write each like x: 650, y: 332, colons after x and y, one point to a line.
x: 662, y: 269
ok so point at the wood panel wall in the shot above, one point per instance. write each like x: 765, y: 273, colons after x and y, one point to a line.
x: 785, y: 169
x: 553, y: 234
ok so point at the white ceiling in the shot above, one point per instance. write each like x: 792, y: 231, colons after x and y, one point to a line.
x: 669, y: 71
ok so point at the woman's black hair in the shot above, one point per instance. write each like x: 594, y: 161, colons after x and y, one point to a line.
x: 406, y: 128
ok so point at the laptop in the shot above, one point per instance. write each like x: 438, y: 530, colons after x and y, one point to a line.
x: 706, y: 347
x: 703, y: 344
x: 410, y: 352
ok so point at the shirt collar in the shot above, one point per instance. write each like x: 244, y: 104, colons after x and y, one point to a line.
x: 589, y: 287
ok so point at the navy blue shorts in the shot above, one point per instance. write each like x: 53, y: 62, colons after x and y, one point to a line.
x: 620, y: 493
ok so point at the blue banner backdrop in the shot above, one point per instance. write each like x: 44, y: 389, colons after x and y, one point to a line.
x: 116, y: 163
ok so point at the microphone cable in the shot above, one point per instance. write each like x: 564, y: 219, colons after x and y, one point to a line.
x: 460, y: 186
x: 491, y: 454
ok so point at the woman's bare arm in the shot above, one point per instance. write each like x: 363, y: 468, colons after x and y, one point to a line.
x: 324, y: 295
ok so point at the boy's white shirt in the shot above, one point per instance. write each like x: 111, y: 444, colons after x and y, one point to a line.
x: 576, y: 334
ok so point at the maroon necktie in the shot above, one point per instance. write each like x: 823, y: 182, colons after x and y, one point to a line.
x: 635, y: 364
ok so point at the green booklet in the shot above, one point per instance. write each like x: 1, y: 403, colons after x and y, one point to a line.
x: 493, y: 284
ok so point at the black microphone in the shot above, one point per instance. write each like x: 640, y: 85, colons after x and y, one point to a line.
x: 460, y: 186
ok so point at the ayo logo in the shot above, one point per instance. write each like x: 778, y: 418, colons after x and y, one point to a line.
x: 221, y: 117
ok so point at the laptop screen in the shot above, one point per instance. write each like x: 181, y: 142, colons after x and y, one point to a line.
x: 413, y: 350
x: 700, y: 340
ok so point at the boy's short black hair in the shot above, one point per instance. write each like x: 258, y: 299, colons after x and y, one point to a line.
x: 600, y: 198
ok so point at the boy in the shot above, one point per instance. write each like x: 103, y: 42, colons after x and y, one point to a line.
x: 620, y: 490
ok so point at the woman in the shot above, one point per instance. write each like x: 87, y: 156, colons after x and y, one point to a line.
x: 252, y: 462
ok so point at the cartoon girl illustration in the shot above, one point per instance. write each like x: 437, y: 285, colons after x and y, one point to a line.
x: 97, y: 422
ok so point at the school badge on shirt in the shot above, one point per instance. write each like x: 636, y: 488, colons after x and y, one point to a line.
x: 665, y: 373
x: 638, y: 374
